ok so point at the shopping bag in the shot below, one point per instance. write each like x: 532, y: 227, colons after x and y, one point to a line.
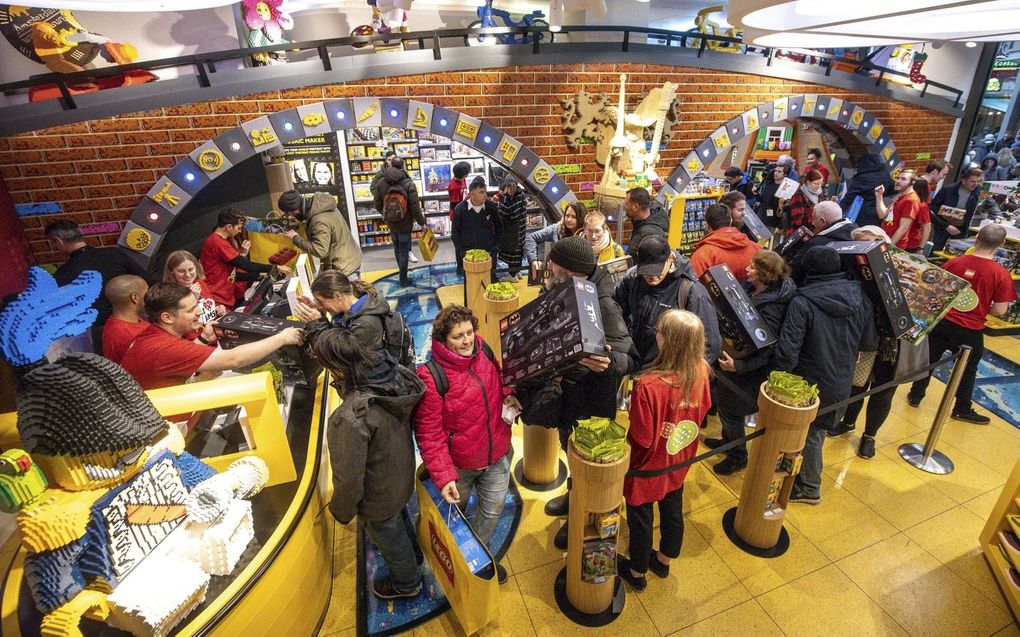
x: 267, y: 241
x: 460, y: 561
x: 428, y: 244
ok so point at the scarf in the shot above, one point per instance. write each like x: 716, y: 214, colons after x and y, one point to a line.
x: 602, y: 244
x: 811, y: 195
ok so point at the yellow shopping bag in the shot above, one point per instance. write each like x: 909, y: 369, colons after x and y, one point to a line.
x: 428, y: 244
x: 265, y: 245
x: 460, y: 561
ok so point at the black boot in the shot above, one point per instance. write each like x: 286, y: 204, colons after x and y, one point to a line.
x: 558, y: 506
x: 560, y: 541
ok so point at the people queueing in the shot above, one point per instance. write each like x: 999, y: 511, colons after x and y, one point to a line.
x: 329, y: 235
x: 568, y: 225
x: 512, y: 206
x: 664, y: 279
x: 161, y: 356
x: 739, y: 206
x: 224, y: 257
x: 724, y: 244
x: 803, y: 202
x: 396, y: 199
x: 600, y: 238
x: 111, y: 261
x: 126, y: 294
x: 872, y: 172
x: 962, y: 195
x: 647, y: 220
x: 994, y: 288
x: 830, y: 225
x: 476, y: 224
x: 372, y: 454
x: 668, y: 402
x: 459, y: 426
x: 827, y: 322
x: 770, y: 288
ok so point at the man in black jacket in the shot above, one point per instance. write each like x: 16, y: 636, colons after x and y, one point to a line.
x: 590, y: 388
x: 645, y: 220
x: 872, y: 171
x: 827, y: 322
x: 476, y: 224
x: 964, y: 195
x: 829, y: 224
x: 395, y: 179
x: 109, y: 262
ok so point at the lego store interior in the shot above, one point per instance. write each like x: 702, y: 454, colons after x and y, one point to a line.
x: 366, y: 318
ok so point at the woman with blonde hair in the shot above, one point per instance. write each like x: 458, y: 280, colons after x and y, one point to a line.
x: 668, y: 402
x: 184, y: 268
x: 568, y: 226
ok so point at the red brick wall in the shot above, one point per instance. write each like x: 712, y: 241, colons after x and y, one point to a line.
x: 98, y: 170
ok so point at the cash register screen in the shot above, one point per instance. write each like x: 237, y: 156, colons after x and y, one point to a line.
x: 259, y: 297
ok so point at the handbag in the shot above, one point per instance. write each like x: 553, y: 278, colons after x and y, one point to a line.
x: 862, y: 372
x: 428, y: 244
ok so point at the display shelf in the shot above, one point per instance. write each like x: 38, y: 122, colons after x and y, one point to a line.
x: 997, y: 532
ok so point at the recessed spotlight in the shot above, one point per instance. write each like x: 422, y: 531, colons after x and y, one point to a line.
x: 555, y: 190
x: 970, y: 45
x: 881, y: 140
x: 235, y: 146
x: 487, y: 139
x: 735, y: 130
x: 705, y: 153
x: 288, y: 126
x: 555, y: 28
x: 524, y: 162
x: 394, y: 112
x: 845, y: 112
x: 795, y: 107
x: 821, y: 107
x: 153, y: 216
x: 341, y: 115
x: 443, y: 122
x: 189, y: 176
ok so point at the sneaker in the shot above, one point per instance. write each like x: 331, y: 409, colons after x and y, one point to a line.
x: 842, y: 428
x: 560, y: 541
x: 383, y: 589
x: 657, y: 567
x: 971, y: 416
x: 558, y: 506
x: 412, y: 258
x: 914, y: 400
x: 803, y: 498
x: 712, y: 443
x: 623, y: 570
x: 867, y: 448
x: 501, y: 575
x: 728, y: 466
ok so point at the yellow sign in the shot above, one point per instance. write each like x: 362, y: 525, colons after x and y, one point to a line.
x: 809, y: 105
x: 466, y: 129
x: 164, y: 195
x: 313, y: 119
x: 542, y: 175
x: 210, y: 160
x: 722, y: 140
x: 857, y: 117
x: 875, y: 131
x: 138, y: 239
x: 833, y: 111
x: 508, y: 149
x: 887, y: 152
x: 368, y: 112
x: 780, y: 106
x: 261, y: 137
x: 421, y: 118
x: 693, y: 164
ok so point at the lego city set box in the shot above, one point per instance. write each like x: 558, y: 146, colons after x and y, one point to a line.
x: 871, y: 263
x: 552, y: 332
x: 739, y: 321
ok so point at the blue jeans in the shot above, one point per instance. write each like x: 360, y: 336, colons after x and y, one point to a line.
x: 395, y: 539
x: 401, y: 248
x: 491, y: 483
x: 809, y: 480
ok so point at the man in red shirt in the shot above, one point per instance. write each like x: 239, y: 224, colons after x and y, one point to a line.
x: 723, y: 244
x: 126, y: 294
x: 221, y: 259
x: 814, y: 162
x: 161, y: 357
x: 995, y: 290
x: 903, y: 227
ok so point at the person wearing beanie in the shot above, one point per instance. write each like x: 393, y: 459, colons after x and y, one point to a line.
x: 827, y: 322
x: 589, y: 390
x: 329, y: 235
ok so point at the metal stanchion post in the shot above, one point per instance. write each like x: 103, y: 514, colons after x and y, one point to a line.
x: 926, y: 457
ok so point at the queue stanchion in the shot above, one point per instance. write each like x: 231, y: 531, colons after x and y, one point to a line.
x: 925, y: 457
x: 755, y: 525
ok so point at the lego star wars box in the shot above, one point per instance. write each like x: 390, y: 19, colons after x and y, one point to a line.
x: 552, y: 332
x: 738, y: 318
x: 871, y: 263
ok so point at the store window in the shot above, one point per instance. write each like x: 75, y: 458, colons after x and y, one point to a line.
x: 998, y: 118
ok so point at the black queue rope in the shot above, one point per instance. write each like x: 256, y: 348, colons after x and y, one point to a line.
x: 652, y: 473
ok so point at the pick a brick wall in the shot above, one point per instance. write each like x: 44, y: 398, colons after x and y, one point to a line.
x: 99, y: 170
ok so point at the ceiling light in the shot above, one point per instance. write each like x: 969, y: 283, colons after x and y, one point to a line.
x: 970, y: 45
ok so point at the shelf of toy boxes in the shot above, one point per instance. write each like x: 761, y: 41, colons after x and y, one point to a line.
x: 429, y: 160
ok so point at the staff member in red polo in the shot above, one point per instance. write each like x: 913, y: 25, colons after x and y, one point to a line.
x: 222, y: 257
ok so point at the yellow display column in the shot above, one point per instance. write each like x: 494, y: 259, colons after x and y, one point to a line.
x: 597, y: 492
x: 756, y: 524
x: 541, y: 468
x: 477, y: 276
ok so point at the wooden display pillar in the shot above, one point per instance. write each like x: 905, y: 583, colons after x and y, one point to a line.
x: 597, y: 489
x: 477, y: 276
x: 541, y: 463
x: 757, y: 524
x: 489, y: 320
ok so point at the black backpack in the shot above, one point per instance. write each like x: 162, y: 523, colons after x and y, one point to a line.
x: 397, y: 338
x: 439, y: 374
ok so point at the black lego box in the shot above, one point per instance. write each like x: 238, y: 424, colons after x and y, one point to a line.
x: 738, y: 318
x: 871, y: 264
x: 797, y: 237
x: 616, y: 269
x: 240, y: 328
x: 552, y: 332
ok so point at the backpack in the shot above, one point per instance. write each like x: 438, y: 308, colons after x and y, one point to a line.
x: 397, y: 339
x: 394, y: 205
x: 683, y: 291
x: 439, y: 374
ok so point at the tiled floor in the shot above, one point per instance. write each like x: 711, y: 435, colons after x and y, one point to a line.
x: 890, y: 551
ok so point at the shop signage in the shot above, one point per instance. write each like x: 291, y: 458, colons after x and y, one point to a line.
x: 566, y: 169
x: 922, y: 156
x: 138, y: 239
x: 42, y: 208
x: 108, y: 227
x: 210, y: 160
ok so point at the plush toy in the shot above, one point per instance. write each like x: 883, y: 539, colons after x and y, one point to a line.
x: 266, y: 21
x: 119, y: 522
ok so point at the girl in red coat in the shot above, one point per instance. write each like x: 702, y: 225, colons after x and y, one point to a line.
x: 667, y: 404
x: 462, y: 437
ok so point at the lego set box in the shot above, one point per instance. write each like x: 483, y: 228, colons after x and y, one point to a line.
x: 616, y: 269
x: 552, y: 332
x: 930, y: 291
x: 739, y: 321
x: 240, y: 328
x: 871, y: 263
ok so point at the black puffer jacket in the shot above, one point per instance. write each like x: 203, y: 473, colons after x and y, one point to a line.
x: 657, y: 223
x: 370, y: 447
x: 752, y: 371
x: 872, y: 171
x: 827, y: 322
x: 381, y: 184
x: 642, y: 304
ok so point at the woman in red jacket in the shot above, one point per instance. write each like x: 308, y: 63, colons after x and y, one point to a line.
x: 667, y: 404
x: 462, y: 436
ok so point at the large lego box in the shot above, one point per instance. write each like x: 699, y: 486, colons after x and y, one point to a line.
x: 739, y: 321
x: 552, y: 332
x: 871, y: 263
x: 930, y: 291
x: 241, y: 328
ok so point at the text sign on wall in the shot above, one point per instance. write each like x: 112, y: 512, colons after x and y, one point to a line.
x: 567, y: 169
x: 109, y: 227
x: 42, y: 208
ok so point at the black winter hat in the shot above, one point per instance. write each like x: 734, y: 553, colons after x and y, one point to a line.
x: 574, y: 254
x: 289, y: 201
x: 821, y: 260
